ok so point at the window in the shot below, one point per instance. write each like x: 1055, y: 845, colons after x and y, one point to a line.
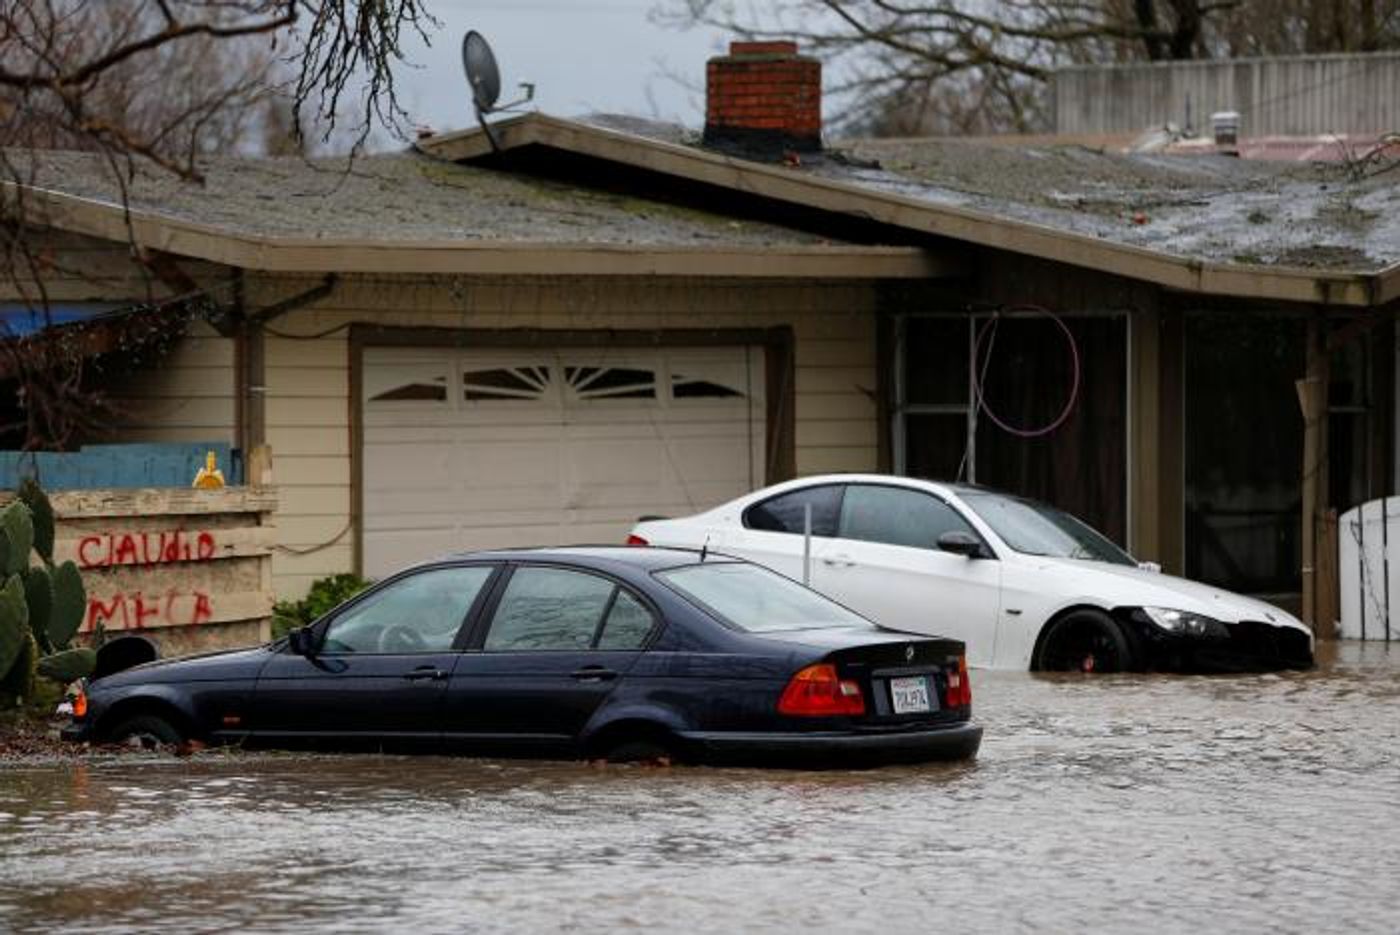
x: 548, y: 609
x: 684, y: 387
x: 526, y: 383
x: 896, y: 516
x: 784, y: 513
x: 627, y: 625
x: 434, y: 390
x: 755, y: 599
x: 418, y: 614
x: 400, y: 381
x: 1039, y: 529
x: 611, y: 382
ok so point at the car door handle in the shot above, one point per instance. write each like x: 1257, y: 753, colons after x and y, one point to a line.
x: 594, y: 674
x: 425, y: 672
x: 838, y: 561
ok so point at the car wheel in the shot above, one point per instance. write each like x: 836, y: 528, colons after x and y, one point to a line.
x: 1087, y: 641
x: 150, y: 730
x: 650, y: 751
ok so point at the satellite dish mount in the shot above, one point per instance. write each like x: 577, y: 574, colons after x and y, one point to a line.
x: 484, y: 78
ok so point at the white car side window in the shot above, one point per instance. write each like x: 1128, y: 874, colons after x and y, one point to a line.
x: 896, y: 516
x: 785, y: 512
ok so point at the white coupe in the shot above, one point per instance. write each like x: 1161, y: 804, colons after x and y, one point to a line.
x: 1023, y: 584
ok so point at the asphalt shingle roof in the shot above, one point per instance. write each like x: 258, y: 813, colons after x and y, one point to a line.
x: 1216, y: 208
x: 402, y: 196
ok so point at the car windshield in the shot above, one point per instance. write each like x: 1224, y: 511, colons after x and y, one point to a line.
x: 1039, y: 529
x: 758, y: 600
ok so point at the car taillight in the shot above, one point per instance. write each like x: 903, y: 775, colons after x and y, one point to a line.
x: 634, y: 539
x: 80, y: 704
x: 959, y: 686
x: 818, y: 691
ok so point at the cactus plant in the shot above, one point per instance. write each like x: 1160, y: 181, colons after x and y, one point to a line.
x: 18, y: 681
x: 41, y: 516
x: 41, y: 605
x: 16, y: 538
x: 38, y: 594
x: 68, y: 665
x: 14, y: 623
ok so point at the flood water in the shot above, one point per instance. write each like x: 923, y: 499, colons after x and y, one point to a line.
x: 1111, y: 804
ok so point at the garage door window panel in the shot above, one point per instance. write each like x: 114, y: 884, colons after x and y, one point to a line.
x: 894, y: 516
x: 422, y: 613
x: 786, y: 512
x: 408, y: 384
x: 506, y: 383
x: 595, y: 383
x: 549, y: 609
x: 686, y: 387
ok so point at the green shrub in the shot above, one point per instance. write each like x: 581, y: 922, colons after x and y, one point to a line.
x: 325, y: 595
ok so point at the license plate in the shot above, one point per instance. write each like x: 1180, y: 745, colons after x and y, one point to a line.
x: 910, y: 695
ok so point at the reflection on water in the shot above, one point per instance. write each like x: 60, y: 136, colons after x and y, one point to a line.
x: 1121, y: 803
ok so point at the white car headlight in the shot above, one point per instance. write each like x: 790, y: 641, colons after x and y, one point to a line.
x: 1185, y: 623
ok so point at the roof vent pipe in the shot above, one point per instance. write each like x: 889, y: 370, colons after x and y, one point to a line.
x: 1226, y: 126
x: 763, y: 100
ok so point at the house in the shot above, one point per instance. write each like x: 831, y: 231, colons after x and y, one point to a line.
x: 541, y: 333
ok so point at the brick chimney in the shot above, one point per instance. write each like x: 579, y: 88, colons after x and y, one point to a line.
x: 762, y: 99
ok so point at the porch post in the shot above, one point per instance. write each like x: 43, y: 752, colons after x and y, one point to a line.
x: 1145, y: 440
x: 1312, y: 397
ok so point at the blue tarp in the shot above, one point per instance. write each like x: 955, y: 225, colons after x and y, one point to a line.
x: 136, y: 465
x: 18, y: 320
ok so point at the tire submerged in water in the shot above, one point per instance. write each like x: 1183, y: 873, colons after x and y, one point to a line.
x: 1088, y: 641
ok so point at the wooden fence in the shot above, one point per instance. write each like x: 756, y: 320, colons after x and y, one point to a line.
x: 1302, y: 95
x: 190, y: 569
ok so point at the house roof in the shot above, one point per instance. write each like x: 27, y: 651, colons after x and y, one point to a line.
x: 407, y: 212
x: 1208, y: 224
x: 1204, y: 207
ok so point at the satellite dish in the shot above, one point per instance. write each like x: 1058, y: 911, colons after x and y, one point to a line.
x: 483, y: 75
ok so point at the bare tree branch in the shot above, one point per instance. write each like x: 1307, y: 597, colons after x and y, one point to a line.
x: 980, y: 66
x: 159, y: 86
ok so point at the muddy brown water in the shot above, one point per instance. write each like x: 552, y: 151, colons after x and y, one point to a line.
x: 1111, y: 804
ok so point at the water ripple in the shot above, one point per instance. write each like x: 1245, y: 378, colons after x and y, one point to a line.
x: 1115, y: 804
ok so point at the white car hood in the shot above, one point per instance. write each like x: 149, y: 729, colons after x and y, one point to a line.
x: 1127, y: 586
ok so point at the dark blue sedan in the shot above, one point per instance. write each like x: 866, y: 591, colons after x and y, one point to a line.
x: 616, y: 653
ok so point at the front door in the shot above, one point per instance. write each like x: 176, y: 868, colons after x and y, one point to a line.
x: 555, y: 648
x: 381, y: 667
x: 885, y: 563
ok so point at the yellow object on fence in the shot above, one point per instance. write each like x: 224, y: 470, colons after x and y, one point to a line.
x: 209, y: 476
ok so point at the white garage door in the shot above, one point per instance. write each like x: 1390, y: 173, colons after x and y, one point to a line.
x: 488, y: 449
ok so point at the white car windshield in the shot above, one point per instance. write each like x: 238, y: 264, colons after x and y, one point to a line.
x: 758, y: 600
x: 1038, y: 529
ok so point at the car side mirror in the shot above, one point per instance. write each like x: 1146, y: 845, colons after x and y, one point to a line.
x: 301, y: 642
x: 961, y: 543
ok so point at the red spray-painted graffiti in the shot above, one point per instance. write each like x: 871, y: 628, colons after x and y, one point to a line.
x: 136, y: 610
x: 105, y: 550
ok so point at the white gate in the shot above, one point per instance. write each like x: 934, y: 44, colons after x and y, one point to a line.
x: 1368, y: 543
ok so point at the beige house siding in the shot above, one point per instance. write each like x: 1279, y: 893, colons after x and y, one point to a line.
x: 308, y: 381
x: 186, y: 396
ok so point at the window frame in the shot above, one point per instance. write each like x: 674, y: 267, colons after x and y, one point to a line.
x: 990, y: 552
x: 321, y: 628
x: 840, y: 487
x: 481, y: 625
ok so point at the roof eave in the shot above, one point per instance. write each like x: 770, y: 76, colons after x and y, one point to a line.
x: 485, y: 257
x: 1278, y: 283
